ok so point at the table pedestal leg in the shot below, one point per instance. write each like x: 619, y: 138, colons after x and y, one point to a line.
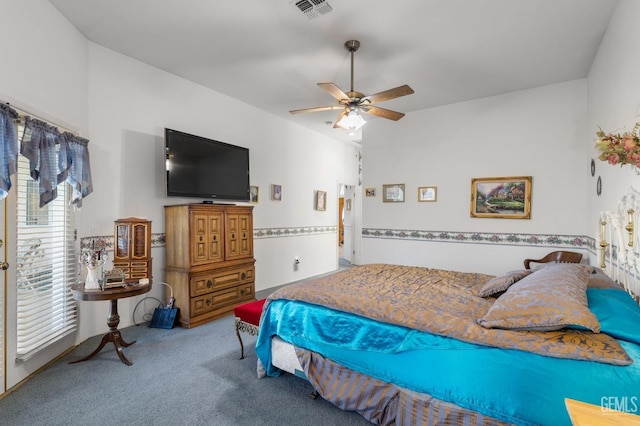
x: 113, y: 336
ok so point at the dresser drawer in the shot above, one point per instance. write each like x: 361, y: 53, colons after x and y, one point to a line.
x: 206, y: 283
x: 218, y: 299
x: 246, y: 291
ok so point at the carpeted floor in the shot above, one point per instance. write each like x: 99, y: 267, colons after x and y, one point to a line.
x: 178, y: 377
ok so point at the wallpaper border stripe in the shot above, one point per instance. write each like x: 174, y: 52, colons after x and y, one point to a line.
x: 107, y: 242
x: 497, y: 238
x: 566, y: 241
x: 293, y: 232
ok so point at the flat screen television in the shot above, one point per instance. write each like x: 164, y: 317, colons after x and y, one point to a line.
x: 205, y: 168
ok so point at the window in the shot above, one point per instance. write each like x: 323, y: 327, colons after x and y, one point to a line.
x: 35, y: 214
x: 46, y: 265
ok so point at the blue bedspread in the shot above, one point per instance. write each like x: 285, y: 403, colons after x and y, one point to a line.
x: 510, y: 385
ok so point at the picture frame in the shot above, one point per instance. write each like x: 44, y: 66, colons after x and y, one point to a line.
x: 393, y: 193
x: 254, y: 194
x: 347, y: 204
x: 427, y: 193
x: 276, y: 192
x: 321, y: 200
x: 370, y: 192
x: 501, y: 197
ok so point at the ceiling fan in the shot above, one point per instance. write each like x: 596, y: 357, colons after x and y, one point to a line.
x: 354, y: 102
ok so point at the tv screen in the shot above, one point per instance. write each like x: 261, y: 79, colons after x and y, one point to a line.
x: 205, y: 168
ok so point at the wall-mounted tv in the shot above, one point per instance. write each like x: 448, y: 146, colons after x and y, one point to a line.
x: 205, y: 168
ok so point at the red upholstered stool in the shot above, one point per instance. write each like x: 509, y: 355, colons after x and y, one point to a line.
x: 248, y: 320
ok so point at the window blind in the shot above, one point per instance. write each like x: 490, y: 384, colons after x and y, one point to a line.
x: 46, y: 265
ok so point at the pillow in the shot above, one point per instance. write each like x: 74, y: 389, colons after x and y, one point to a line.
x: 599, y: 279
x: 499, y: 284
x: 550, y: 299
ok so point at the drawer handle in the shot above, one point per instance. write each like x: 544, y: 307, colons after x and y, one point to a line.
x: 200, y: 237
x: 208, y: 302
x: 244, y: 276
x: 209, y: 284
x: 242, y: 292
x: 233, y: 236
x: 214, y: 238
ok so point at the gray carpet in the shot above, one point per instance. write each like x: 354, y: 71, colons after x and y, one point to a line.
x: 178, y: 377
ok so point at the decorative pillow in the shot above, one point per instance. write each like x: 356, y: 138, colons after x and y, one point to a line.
x: 550, y: 299
x: 502, y: 283
x: 599, y: 279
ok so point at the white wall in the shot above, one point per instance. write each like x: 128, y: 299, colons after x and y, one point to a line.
x: 537, y: 132
x: 44, y: 63
x: 547, y: 132
x: 131, y: 103
x: 613, y: 104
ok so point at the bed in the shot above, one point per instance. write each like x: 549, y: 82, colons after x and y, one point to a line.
x: 411, y: 345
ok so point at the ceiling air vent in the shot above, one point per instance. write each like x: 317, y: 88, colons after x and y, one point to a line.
x: 312, y: 8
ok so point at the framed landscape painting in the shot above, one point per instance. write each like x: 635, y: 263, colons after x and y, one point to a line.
x: 501, y: 197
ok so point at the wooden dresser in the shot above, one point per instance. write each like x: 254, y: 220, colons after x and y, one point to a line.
x: 209, y: 259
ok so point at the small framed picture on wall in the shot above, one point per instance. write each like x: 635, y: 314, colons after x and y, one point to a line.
x: 393, y: 193
x: 276, y: 192
x: 321, y: 200
x: 254, y: 194
x: 427, y: 193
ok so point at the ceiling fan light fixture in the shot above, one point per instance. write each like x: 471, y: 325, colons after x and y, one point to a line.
x: 352, y: 120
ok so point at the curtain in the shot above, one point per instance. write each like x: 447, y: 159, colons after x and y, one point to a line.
x: 8, y: 147
x: 39, y: 146
x: 56, y: 157
x: 79, y: 167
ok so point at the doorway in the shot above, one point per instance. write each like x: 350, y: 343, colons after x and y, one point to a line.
x: 345, y: 225
x: 3, y: 291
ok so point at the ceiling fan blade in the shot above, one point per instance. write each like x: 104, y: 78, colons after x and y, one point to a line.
x: 396, y: 92
x: 342, y: 114
x: 316, y: 109
x: 382, y: 112
x: 334, y: 91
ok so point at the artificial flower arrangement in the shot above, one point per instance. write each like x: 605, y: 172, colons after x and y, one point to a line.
x: 619, y: 148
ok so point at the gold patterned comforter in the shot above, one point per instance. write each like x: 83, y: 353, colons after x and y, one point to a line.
x: 443, y: 303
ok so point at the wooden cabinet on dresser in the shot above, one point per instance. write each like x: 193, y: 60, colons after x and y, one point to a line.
x: 209, y: 259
